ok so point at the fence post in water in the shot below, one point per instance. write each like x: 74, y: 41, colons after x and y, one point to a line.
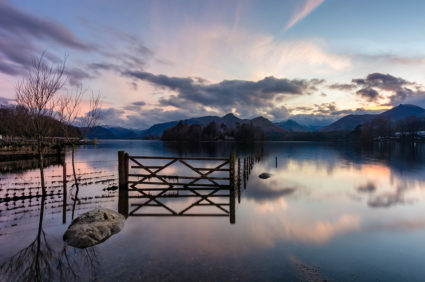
x: 232, y: 188
x: 244, y: 172
x: 239, y: 180
x: 276, y: 162
x: 123, y: 183
x: 64, y: 193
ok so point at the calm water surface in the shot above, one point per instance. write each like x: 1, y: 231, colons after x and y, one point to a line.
x: 329, y: 212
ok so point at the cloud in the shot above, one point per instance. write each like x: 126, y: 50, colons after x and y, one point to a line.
x: 342, y: 86
x: 302, y: 11
x: 138, y: 117
x: 20, y: 35
x: 398, y: 88
x: 14, y: 21
x: 369, y: 93
x: 247, y: 97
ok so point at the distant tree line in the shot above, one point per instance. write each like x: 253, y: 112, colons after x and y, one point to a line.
x: 15, y: 120
x: 213, y: 132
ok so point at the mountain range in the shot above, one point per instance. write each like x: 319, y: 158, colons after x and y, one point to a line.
x: 396, y: 114
x: 347, y: 123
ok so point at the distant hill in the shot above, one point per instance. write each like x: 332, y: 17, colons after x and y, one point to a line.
x: 123, y: 133
x: 99, y: 132
x: 292, y: 126
x: 348, y: 122
x: 403, y: 111
x: 398, y: 113
x: 267, y: 126
x: 157, y: 129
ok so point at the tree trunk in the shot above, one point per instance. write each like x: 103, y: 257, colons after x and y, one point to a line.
x: 77, y: 187
x: 37, y: 261
x: 41, y: 164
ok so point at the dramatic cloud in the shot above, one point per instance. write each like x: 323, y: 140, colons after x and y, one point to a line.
x: 14, y: 21
x: 20, y: 34
x: 247, y: 97
x: 138, y: 117
x: 398, y: 88
x: 369, y: 93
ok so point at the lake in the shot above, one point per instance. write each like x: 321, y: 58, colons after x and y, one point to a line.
x: 328, y: 212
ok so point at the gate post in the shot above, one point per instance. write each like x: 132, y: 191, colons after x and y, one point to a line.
x: 123, y: 183
x: 232, y: 187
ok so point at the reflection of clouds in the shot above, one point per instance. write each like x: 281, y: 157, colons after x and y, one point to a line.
x: 258, y: 226
x: 388, y: 199
x: 399, y: 225
x: 368, y: 187
x: 267, y: 190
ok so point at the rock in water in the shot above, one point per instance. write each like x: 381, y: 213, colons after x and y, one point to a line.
x: 93, y: 227
x: 264, y: 175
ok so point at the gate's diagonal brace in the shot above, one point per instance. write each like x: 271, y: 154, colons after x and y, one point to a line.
x: 203, y: 197
x: 203, y: 175
x: 208, y: 200
x: 153, y: 198
x: 152, y: 173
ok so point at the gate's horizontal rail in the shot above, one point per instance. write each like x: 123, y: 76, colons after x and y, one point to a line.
x: 179, y: 189
x: 157, y: 205
x: 180, y: 184
x: 178, y: 158
x: 198, y: 168
x: 172, y: 177
x: 183, y: 196
x: 189, y: 214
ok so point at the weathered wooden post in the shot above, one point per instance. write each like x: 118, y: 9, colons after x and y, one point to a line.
x: 64, y: 193
x: 276, y: 162
x: 123, y: 183
x: 239, y: 180
x: 244, y: 173
x: 232, y: 188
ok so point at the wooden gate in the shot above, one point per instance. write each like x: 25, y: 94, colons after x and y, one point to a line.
x: 149, y: 182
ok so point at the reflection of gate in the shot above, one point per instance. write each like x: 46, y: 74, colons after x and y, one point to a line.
x: 157, y: 180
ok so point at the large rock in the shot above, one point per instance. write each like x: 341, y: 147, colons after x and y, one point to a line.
x: 93, y: 227
x: 265, y: 175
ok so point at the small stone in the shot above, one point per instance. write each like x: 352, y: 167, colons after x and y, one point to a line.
x: 93, y: 227
x: 264, y: 175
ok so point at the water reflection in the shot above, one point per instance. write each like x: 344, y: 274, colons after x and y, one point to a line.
x: 43, y: 260
x: 342, y: 210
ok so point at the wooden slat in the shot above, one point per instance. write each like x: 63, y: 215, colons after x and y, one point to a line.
x: 183, y: 196
x: 178, y: 184
x: 188, y: 214
x: 172, y: 177
x: 147, y: 166
x: 181, y: 189
x: 198, y: 168
x: 179, y: 158
x: 215, y: 204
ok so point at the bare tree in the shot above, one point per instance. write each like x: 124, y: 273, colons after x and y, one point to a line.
x: 69, y: 108
x: 37, y: 92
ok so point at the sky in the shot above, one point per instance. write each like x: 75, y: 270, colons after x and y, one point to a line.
x: 157, y: 61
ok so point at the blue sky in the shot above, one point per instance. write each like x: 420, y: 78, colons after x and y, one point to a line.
x: 155, y: 61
